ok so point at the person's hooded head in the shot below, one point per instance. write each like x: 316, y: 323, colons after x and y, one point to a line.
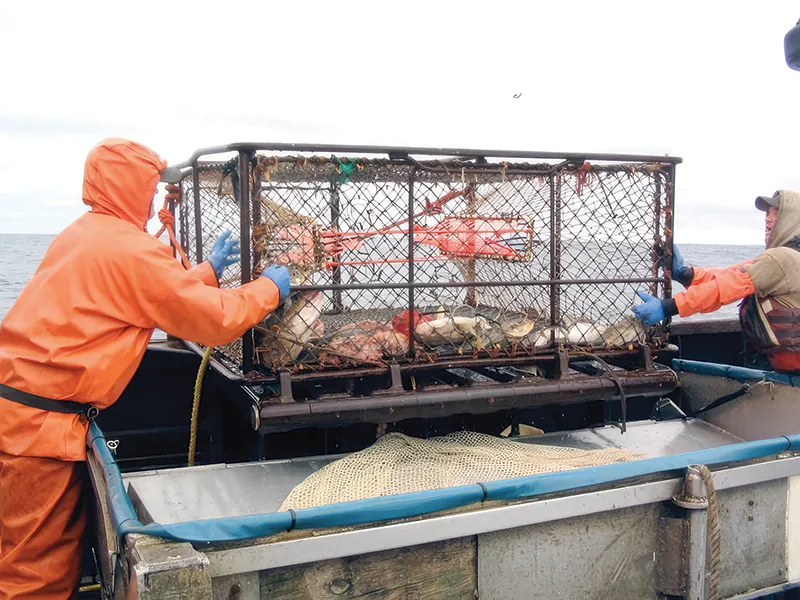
x: 121, y: 179
x: 782, y: 218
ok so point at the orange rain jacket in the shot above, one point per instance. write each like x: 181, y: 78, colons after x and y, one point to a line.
x: 79, y: 329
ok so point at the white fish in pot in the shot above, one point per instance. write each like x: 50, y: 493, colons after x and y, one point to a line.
x: 454, y: 330
x: 584, y: 333
x: 628, y: 330
x: 288, y: 330
x: 489, y: 334
x: 517, y: 330
x: 444, y: 330
x: 542, y: 338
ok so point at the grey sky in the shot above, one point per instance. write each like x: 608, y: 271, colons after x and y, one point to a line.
x: 702, y: 80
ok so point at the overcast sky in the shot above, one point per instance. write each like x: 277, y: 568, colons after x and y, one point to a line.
x: 705, y: 81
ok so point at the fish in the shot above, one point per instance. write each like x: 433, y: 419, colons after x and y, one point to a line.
x: 456, y: 330
x: 444, y: 330
x: 514, y: 332
x: 583, y: 333
x: 541, y: 338
x: 628, y: 330
x: 490, y: 335
x: 288, y: 330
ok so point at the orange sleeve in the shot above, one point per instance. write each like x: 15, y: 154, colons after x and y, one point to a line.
x: 702, y: 274
x: 183, y: 305
x: 717, y: 288
x: 205, y: 272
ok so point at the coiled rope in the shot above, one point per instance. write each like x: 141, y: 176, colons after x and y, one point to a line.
x: 713, y: 534
x: 198, y: 388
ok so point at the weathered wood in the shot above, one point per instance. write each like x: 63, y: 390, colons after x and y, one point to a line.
x: 444, y: 570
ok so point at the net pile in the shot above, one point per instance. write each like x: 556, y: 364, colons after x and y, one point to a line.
x: 398, y: 464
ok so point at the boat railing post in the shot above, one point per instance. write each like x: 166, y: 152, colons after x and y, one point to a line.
x: 693, y: 498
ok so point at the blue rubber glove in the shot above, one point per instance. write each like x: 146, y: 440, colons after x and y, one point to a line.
x: 678, y: 266
x: 281, y: 278
x: 224, y: 254
x: 680, y: 272
x: 651, y: 312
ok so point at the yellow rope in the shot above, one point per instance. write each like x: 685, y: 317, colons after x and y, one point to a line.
x: 198, y: 388
x: 89, y: 588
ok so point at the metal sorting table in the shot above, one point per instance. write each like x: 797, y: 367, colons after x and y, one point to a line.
x: 216, y: 491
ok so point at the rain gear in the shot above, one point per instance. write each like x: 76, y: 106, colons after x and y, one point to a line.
x: 78, y: 331
x: 770, y: 286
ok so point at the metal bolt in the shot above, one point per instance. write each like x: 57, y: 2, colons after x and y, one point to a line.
x: 693, y: 491
x: 695, y: 486
x: 340, y: 586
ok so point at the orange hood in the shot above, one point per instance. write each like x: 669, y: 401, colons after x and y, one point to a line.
x: 120, y: 179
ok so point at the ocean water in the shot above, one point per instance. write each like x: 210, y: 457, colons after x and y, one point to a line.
x: 19, y: 257
x: 21, y: 254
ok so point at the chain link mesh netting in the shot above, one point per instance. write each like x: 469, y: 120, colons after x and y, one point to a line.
x: 399, y: 464
x: 360, y: 230
x: 218, y: 211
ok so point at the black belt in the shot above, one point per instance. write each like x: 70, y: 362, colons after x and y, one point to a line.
x: 60, y: 406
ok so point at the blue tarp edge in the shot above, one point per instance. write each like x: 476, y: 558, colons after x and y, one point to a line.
x: 402, y: 506
x: 742, y: 374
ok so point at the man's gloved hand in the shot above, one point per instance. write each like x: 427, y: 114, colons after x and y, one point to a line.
x: 680, y: 272
x: 224, y: 254
x: 280, y: 277
x: 677, y: 262
x: 651, y: 312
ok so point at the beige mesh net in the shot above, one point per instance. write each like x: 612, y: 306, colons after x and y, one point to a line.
x: 398, y: 464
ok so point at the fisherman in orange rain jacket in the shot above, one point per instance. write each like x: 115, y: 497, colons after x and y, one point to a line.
x: 75, y: 337
x: 769, y: 285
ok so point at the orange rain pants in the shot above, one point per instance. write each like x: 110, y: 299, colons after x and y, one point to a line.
x: 78, y: 331
x: 36, y: 539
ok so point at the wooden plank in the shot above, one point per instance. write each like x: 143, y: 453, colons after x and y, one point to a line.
x: 444, y: 570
